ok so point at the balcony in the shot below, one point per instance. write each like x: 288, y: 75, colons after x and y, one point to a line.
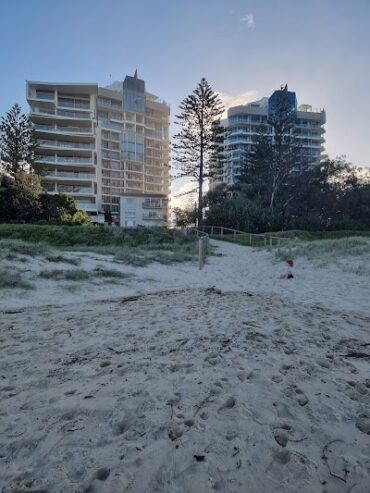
x: 74, y: 114
x: 71, y: 103
x: 62, y: 129
x: 41, y: 96
x: 52, y: 159
x: 70, y: 175
x: 152, y: 204
x: 86, y: 206
x: 65, y: 114
x: 75, y: 189
x: 65, y: 144
x: 152, y: 216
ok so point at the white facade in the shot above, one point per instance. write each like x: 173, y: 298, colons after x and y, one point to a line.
x: 143, y: 211
x: 99, y: 144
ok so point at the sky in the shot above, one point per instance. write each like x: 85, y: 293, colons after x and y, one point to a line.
x: 245, y: 48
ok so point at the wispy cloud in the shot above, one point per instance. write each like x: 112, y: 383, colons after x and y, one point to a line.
x: 249, y: 21
x: 229, y: 100
x: 182, y: 195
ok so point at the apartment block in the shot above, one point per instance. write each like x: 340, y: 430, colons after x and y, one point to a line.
x: 243, y: 122
x: 101, y: 144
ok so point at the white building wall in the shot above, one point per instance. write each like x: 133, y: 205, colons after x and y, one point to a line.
x: 142, y: 211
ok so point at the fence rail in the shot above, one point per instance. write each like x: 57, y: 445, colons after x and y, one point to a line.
x: 266, y: 240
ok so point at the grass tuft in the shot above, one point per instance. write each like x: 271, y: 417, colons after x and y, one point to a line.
x: 11, y: 279
x: 111, y: 273
x: 59, y: 275
x: 12, y: 247
x: 82, y: 275
x: 64, y: 260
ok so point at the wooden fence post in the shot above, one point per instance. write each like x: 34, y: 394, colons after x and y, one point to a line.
x: 200, y: 253
x: 222, y: 231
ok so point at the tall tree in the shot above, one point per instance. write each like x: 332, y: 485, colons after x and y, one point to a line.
x: 256, y: 168
x: 17, y: 142
x: 285, y: 149
x: 195, y: 143
x: 19, y: 197
x: 275, y: 154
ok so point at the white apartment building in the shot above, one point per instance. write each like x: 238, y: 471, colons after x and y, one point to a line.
x: 242, y: 124
x: 101, y: 144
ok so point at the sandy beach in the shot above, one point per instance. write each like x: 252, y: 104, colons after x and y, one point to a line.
x: 177, y: 380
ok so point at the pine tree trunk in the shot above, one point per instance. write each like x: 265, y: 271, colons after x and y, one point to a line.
x: 200, y: 207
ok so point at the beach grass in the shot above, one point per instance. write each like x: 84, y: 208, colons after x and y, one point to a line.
x: 10, y: 279
x: 137, y: 247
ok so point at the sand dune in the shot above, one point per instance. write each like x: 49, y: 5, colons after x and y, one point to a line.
x: 227, y: 380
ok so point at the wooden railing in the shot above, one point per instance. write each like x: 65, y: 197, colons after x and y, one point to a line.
x: 266, y: 240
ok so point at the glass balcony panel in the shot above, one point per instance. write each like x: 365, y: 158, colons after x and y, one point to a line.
x: 49, y: 95
x: 74, y: 114
x: 73, y: 103
x: 61, y: 143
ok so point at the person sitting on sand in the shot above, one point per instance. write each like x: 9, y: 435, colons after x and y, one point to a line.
x: 289, y: 272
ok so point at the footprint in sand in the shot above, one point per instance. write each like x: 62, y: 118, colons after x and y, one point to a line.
x: 228, y: 404
x: 296, y: 393
x: 363, y: 423
x: 282, y: 410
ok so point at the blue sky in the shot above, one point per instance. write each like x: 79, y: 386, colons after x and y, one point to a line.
x: 321, y: 48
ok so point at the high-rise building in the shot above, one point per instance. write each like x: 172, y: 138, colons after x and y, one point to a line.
x: 243, y: 122
x: 104, y: 146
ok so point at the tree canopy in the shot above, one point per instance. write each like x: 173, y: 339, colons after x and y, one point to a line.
x: 195, y: 145
x: 17, y: 142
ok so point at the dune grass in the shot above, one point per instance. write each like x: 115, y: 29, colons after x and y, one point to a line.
x: 93, y: 235
x: 79, y: 275
x: 10, y: 279
x: 137, y: 247
x: 63, y: 260
x: 11, y: 248
x: 351, y: 254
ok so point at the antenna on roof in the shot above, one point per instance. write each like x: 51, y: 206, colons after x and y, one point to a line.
x: 135, y: 75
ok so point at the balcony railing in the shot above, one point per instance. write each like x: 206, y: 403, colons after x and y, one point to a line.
x: 70, y: 174
x: 85, y: 205
x: 61, y: 143
x: 44, y: 95
x: 152, y: 204
x: 66, y: 103
x: 62, y: 128
x: 155, y: 217
x: 74, y: 114
x: 64, y: 159
x: 74, y: 189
